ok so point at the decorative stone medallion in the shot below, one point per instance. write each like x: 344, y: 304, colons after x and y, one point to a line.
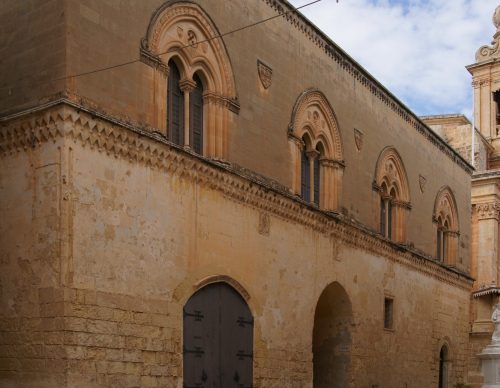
x: 265, y: 74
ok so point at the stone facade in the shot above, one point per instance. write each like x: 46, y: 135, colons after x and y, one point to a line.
x: 107, y: 228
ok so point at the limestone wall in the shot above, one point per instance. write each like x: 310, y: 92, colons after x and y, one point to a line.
x: 105, y: 33
x: 33, y: 50
x: 141, y: 226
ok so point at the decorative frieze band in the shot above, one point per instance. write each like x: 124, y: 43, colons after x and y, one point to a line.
x: 488, y: 210
x: 141, y: 146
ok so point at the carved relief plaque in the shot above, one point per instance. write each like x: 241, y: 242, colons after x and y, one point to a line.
x: 265, y: 74
x: 264, y: 224
x: 358, y: 139
x: 192, y: 39
x: 421, y: 182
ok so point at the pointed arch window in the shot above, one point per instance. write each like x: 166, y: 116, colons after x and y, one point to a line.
x: 200, y: 91
x: 392, y: 195
x: 316, y: 150
x: 445, y: 218
x: 175, y: 106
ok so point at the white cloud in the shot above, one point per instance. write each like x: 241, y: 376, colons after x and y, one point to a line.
x: 417, y: 48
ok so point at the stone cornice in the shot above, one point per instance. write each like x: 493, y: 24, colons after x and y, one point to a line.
x: 67, y: 120
x: 356, y: 71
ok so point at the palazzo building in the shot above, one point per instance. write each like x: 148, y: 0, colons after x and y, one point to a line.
x: 214, y: 194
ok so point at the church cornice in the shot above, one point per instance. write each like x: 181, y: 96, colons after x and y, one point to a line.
x: 356, y: 71
x: 73, y: 122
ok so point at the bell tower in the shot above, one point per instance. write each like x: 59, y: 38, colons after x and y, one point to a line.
x: 486, y: 83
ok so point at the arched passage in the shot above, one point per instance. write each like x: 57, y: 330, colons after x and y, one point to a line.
x: 443, y: 367
x: 332, y: 338
x: 217, y: 338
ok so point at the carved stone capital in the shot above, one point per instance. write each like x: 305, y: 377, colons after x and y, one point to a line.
x: 187, y: 85
x: 312, y: 154
x: 337, y: 164
x: 401, y: 204
x: 487, y: 211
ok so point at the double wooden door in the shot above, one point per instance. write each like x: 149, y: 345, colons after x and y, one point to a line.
x: 218, y: 339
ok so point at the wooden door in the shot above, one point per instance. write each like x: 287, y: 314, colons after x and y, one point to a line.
x: 218, y: 339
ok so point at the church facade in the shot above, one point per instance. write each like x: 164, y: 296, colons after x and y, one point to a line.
x: 200, y: 193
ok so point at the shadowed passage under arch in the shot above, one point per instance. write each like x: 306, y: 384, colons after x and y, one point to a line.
x: 332, y: 338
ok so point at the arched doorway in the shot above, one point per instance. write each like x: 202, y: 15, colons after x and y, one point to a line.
x: 332, y: 338
x: 217, y: 339
x: 443, y: 372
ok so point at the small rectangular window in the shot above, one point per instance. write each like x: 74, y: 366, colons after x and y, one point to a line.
x: 388, y: 313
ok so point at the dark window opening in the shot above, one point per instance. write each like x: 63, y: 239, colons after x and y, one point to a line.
x: 496, y: 99
x: 175, y: 106
x: 305, y: 176
x: 388, y: 313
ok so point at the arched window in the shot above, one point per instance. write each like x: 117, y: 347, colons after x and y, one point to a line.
x: 201, y: 94
x: 196, y: 116
x: 445, y: 218
x: 392, y: 199
x: 175, y: 106
x: 443, y: 373
x: 316, y: 150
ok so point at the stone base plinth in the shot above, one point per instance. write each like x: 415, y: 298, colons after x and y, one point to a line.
x: 490, y: 366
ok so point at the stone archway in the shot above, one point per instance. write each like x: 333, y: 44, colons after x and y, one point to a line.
x: 332, y: 338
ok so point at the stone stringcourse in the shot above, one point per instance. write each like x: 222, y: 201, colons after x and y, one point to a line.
x: 364, y: 78
x: 67, y: 120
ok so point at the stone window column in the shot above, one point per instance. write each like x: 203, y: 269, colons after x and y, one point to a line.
x: 186, y: 86
x: 400, y: 213
x: 331, y: 183
x: 312, y: 155
x: 450, y: 247
x: 296, y: 145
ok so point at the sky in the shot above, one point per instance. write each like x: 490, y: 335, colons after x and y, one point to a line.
x: 418, y: 49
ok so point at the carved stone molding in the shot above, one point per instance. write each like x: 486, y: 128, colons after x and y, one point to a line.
x: 135, y: 145
x: 151, y: 59
x: 421, y: 183
x: 487, y: 52
x: 265, y: 74
x: 264, y: 224
x: 358, y: 139
x: 487, y: 211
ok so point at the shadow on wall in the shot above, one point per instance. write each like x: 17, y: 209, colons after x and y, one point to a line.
x: 332, y: 338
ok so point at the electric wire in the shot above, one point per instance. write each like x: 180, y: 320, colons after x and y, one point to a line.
x: 15, y: 84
